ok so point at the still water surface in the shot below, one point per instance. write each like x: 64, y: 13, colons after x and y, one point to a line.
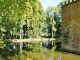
x: 58, y: 55
x: 69, y: 56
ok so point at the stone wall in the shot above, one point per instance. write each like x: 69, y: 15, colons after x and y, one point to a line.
x: 71, y: 25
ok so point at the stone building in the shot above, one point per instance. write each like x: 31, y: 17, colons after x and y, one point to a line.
x: 71, y: 25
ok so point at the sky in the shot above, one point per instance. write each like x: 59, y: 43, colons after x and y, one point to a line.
x: 46, y: 3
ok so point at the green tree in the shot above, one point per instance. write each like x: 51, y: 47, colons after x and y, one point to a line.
x: 54, y: 13
x: 14, y: 13
x: 51, y: 11
x: 58, y: 19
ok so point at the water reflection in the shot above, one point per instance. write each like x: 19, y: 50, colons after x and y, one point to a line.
x: 53, y: 59
x: 59, y: 58
x: 59, y: 55
x: 49, y: 53
x: 50, y: 59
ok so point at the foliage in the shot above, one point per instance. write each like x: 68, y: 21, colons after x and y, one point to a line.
x: 53, y: 19
x: 58, y: 19
x: 14, y: 13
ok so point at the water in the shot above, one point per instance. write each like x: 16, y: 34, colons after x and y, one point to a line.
x: 50, y: 59
x: 65, y: 56
x: 58, y: 55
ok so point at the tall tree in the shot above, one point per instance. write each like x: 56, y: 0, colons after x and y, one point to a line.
x: 13, y: 14
x: 58, y: 18
x: 51, y: 11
